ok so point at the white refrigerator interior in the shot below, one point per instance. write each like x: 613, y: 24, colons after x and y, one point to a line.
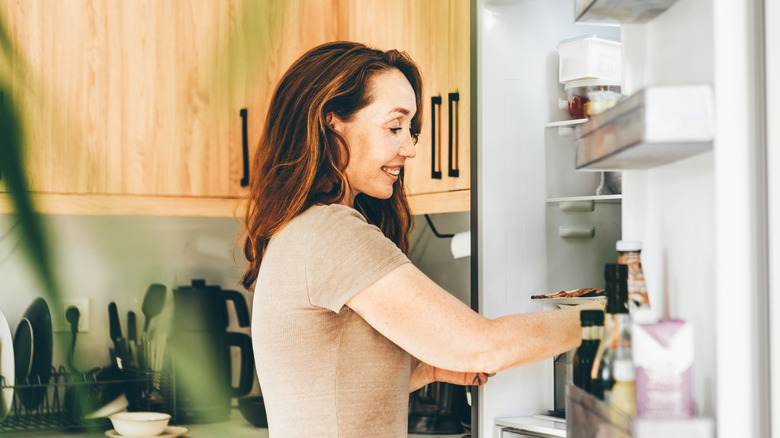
x: 524, y: 170
x: 703, y: 220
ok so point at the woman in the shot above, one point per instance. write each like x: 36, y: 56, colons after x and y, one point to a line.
x: 344, y: 326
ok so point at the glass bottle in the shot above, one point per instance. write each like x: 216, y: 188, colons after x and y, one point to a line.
x: 613, y: 368
x: 630, y: 254
x: 592, y: 322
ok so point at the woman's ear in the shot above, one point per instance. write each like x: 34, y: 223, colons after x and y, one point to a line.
x: 334, y: 122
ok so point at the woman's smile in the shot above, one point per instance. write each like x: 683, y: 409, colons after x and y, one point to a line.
x: 393, y: 171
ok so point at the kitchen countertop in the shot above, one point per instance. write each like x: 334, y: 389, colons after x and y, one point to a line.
x: 236, y: 427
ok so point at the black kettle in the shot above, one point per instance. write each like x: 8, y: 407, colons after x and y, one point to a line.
x: 201, y: 352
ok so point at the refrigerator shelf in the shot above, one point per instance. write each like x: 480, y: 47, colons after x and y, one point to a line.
x: 655, y: 126
x: 566, y: 127
x: 602, y: 199
x: 617, y: 12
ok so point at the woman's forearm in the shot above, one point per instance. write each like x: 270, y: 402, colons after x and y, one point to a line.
x: 421, y: 374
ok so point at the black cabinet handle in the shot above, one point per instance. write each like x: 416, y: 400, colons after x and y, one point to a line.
x: 454, y: 170
x: 244, y: 149
x: 435, y: 153
x: 1, y: 103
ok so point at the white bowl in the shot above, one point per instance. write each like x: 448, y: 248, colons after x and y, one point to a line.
x: 140, y: 424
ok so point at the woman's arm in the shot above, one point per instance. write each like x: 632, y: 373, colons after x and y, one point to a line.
x: 423, y: 374
x: 415, y: 313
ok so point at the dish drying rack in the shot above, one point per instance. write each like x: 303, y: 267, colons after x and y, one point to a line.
x: 144, y: 390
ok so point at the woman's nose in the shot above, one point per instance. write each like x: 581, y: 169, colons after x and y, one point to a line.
x: 408, y: 148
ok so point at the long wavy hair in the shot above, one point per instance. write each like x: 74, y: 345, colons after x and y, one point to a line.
x: 300, y: 160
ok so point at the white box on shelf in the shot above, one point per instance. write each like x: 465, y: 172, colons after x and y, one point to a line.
x: 589, y: 57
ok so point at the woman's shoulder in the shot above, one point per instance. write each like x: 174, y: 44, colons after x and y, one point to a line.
x: 329, y: 214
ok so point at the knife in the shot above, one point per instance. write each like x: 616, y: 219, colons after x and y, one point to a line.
x: 114, y: 329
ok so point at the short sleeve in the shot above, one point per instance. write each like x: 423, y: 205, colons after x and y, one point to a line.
x: 344, y: 255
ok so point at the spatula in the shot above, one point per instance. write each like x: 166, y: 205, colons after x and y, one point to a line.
x: 153, y: 302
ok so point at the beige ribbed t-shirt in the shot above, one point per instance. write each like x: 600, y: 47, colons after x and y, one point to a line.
x: 323, y: 371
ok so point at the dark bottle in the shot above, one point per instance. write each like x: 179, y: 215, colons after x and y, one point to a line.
x: 592, y: 322
x: 616, y: 326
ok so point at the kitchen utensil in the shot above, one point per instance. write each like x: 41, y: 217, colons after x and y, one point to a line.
x: 132, y: 339
x: 253, y: 410
x: 139, y: 424
x: 132, y: 331
x: 153, y: 302
x: 36, y: 323
x: 72, y: 315
x: 7, y: 367
x: 115, y: 331
x: 114, y: 327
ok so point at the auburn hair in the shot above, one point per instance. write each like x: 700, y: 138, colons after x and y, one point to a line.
x: 300, y: 159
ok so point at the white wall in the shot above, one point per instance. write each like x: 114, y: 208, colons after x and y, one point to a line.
x: 115, y: 259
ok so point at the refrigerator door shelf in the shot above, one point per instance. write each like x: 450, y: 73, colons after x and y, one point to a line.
x: 616, y: 12
x: 535, y: 426
x: 655, y: 126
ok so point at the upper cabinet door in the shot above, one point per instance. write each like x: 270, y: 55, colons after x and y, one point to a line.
x: 265, y: 38
x: 154, y: 97
x: 121, y: 97
x: 436, y: 35
x: 459, y: 94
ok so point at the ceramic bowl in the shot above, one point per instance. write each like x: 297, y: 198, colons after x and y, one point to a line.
x: 139, y: 424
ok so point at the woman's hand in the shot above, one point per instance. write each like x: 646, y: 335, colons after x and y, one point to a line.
x: 423, y: 374
x: 459, y: 378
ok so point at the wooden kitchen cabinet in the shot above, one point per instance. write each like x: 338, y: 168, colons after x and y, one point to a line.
x: 136, y: 107
x: 436, y: 34
x: 120, y: 98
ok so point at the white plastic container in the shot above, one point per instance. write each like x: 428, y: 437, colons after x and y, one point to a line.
x: 589, y: 57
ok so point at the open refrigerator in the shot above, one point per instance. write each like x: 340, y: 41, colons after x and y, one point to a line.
x: 704, y: 218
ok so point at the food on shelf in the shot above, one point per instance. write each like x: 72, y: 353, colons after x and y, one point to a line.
x: 583, y: 292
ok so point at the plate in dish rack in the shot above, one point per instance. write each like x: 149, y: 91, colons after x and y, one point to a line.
x: 7, y: 367
x: 169, y: 432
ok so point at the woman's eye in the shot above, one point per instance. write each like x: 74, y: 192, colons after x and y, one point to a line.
x: 396, y: 130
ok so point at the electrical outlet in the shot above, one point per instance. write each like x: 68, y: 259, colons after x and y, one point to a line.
x: 61, y: 323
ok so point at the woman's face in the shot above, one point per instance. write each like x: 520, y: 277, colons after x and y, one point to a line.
x: 379, y: 137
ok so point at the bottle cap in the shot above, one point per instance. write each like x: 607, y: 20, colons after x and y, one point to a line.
x: 591, y: 318
x: 628, y: 245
